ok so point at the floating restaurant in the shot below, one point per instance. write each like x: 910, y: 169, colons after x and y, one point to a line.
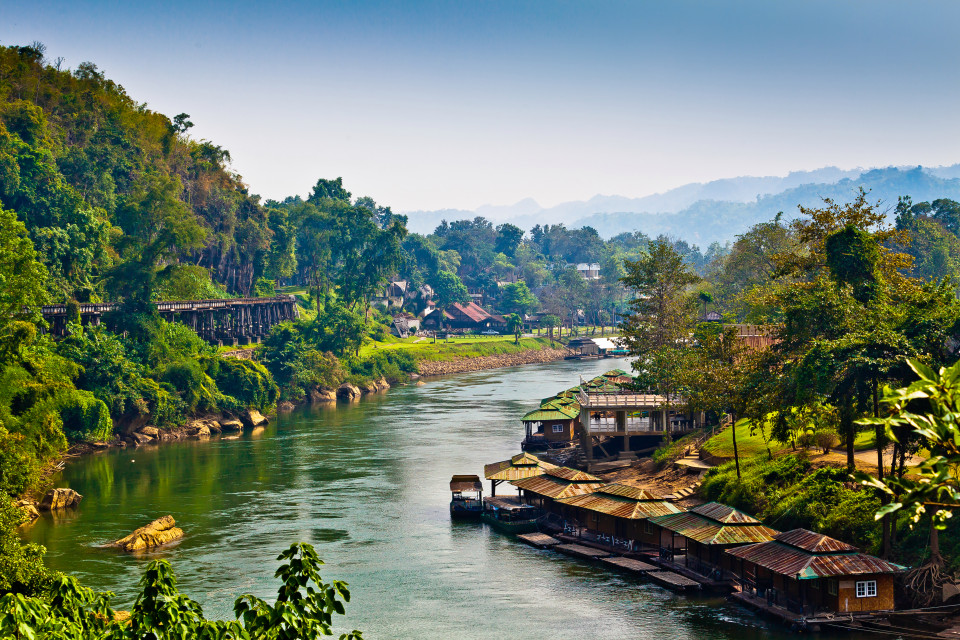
x: 803, y: 572
x: 553, y: 484
x: 618, y: 513
x: 702, y: 534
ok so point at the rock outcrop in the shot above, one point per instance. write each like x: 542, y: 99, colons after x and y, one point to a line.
x: 153, y: 432
x: 231, y: 425
x: 160, y: 531
x: 253, y: 418
x: 287, y: 406
x: 348, y: 391
x: 29, y: 510
x: 60, y: 499
x: 323, y: 395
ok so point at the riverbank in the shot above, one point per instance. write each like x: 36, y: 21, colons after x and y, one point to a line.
x: 496, y: 361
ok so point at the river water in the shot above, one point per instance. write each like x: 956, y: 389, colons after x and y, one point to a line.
x: 366, y: 483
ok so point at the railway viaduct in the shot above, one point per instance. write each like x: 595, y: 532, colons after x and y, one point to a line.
x: 221, y: 322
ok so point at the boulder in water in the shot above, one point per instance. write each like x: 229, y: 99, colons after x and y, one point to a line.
x: 231, y: 425
x: 60, y: 499
x: 348, y: 391
x: 253, y: 418
x: 29, y: 510
x: 160, y: 531
x: 153, y: 432
x: 323, y: 395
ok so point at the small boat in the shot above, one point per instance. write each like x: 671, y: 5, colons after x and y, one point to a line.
x: 467, y: 497
x: 509, y: 515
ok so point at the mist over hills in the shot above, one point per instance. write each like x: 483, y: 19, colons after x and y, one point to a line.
x: 702, y: 213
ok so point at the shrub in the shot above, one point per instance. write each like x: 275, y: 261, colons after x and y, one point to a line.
x: 190, y: 381
x: 85, y: 417
x: 826, y: 440
x: 249, y: 382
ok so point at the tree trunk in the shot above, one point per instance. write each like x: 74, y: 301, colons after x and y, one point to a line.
x: 733, y: 433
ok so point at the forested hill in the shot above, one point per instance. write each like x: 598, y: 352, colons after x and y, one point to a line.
x: 718, y: 210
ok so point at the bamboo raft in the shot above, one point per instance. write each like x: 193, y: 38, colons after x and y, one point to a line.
x: 580, y: 551
x: 539, y: 540
x: 629, y: 564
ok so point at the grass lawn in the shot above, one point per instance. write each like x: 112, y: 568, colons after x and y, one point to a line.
x: 457, y: 346
x: 747, y: 445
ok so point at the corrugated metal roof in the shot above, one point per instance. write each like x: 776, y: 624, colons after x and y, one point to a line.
x: 794, y: 562
x: 626, y: 491
x: 466, y: 483
x: 522, y: 465
x: 506, y: 504
x: 619, y: 506
x: 690, y: 524
x: 813, y: 542
x: 552, y: 412
x: 554, y: 487
x: 724, y: 514
x: 572, y: 475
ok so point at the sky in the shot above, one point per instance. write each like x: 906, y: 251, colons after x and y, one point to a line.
x: 433, y: 105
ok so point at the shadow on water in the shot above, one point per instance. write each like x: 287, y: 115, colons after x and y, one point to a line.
x: 366, y: 483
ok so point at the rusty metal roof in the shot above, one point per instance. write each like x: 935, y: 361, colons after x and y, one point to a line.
x: 626, y: 491
x: 620, y: 506
x: 704, y: 530
x: 787, y: 560
x: 555, y: 487
x: 466, y: 483
x: 813, y: 542
x: 572, y: 475
x: 522, y: 465
x: 724, y: 514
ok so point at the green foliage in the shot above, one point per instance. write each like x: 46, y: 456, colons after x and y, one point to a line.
x: 787, y: 492
x: 247, y: 381
x: 518, y: 299
x: 21, y: 565
x: 297, y: 365
x: 22, y: 277
x: 188, y: 282
x: 189, y: 379
x: 304, y: 608
x: 394, y: 365
x: 264, y: 288
x: 85, y: 417
x: 852, y: 256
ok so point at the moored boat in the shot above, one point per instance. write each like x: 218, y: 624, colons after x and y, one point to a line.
x: 509, y: 515
x: 467, y: 496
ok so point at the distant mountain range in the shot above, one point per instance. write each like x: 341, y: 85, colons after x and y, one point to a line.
x: 702, y: 213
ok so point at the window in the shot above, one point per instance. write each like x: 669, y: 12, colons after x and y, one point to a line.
x: 832, y: 587
x: 867, y: 589
x: 647, y: 527
x: 558, y: 428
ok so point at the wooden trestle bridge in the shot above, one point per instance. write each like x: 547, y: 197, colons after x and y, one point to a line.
x: 230, y: 321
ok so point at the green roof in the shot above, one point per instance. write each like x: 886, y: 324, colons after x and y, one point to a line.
x: 549, y: 411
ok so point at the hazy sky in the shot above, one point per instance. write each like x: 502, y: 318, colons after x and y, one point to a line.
x: 457, y: 104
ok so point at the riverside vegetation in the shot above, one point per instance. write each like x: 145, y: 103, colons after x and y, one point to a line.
x: 103, y: 199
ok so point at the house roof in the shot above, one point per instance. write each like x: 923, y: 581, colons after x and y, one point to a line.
x: 572, y: 475
x: 465, y: 483
x: 832, y: 558
x: 471, y: 310
x: 522, y: 465
x: 552, y: 411
x: 715, y: 523
x: 553, y: 486
x: 622, y: 501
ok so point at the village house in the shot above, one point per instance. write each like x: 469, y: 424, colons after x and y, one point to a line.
x: 555, y: 422
x: 702, y: 534
x: 405, y: 325
x: 560, y: 482
x: 810, y: 573
x: 617, y: 512
x: 589, y: 270
x: 469, y: 316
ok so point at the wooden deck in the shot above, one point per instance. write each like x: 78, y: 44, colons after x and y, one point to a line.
x: 673, y: 581
x: 580, y: 551
x: 539, y: 540
x: 629, y: 564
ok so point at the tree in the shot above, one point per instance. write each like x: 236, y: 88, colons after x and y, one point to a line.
x: 22, y: 277
x: 515, y: 326
x: 509, y: 237
x: 447, y: 289
x: 517, y: 298
x: 549, y: 321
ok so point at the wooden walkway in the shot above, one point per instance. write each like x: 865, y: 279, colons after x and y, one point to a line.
x: 539, y: 540
x: 580, y: 551
x: 629, y: 564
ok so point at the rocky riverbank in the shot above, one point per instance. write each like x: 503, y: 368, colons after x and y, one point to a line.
x: 496, y: 361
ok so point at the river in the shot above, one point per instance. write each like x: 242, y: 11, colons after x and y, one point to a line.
x: 366, y: 483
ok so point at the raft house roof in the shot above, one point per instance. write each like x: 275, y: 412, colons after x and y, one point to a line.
x: 552, y: 411
x: 522, y: 465
x: 622, y: 501
x: 466, y: 483
x: 806, y: 555
x: 560, y: 482
x: 715, y: 523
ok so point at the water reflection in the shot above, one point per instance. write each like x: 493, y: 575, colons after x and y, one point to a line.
x: 367, y: 484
